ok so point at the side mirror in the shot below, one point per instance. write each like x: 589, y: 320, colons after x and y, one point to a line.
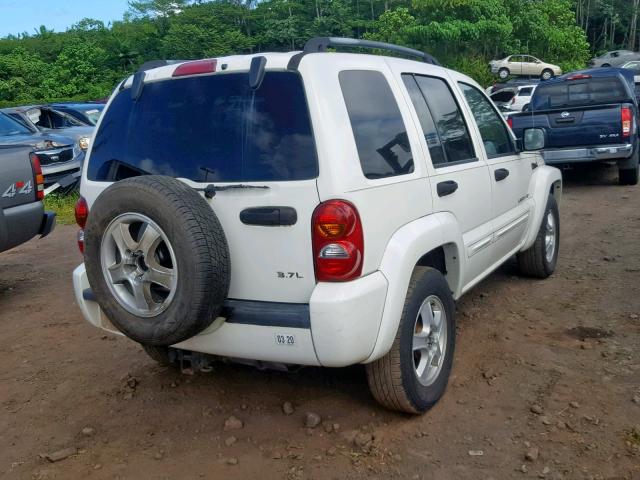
x: 533, y: 139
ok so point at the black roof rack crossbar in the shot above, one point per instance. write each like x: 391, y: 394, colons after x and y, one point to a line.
x: 320, y: 44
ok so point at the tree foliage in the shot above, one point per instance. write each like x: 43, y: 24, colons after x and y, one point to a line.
x: 89, y: 59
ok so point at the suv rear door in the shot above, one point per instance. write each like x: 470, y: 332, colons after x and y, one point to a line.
x: 215, y: 130
x: 459, y: 179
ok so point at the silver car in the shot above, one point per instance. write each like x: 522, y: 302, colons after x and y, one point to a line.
x: 614, y: 58
x: 524, y: 65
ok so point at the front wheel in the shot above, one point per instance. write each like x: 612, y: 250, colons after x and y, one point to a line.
x: 413, y: 375
x: 503, y: 73
x: 546, y: 74
x: 540, y: 259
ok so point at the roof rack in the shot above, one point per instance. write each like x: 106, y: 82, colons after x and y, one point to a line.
x: 320, y: 44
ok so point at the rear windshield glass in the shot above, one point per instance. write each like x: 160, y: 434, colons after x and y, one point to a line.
x: 211, y: 128
x: 503, y: 96
x: 579, y: 92
x: 8, y: 127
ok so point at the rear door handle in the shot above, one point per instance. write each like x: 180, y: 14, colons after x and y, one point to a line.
x: 501, y: 174
x: 269, y: 216
x: 446, y: 188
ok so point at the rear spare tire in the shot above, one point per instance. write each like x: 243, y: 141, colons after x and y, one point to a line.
x: 157, y: 259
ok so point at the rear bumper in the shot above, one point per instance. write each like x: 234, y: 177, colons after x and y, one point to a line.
x: 20, y: 224
x: 54, y: 172
x: 590, y: 154
x: 338, y: 327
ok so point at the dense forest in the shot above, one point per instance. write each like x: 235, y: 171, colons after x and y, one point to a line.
x: 88, y: 59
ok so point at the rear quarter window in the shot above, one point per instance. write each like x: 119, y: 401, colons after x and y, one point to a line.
x: 378, y: 128
x: 208, y: 128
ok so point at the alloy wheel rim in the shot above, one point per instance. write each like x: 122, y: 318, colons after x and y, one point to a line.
x: 139, y: 265
x: 429, y: 340
x: 550, y: 236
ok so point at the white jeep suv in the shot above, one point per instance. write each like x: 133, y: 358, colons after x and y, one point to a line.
x: 309, y: 208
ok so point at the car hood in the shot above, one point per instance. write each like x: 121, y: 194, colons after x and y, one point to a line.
x: 37, y: 141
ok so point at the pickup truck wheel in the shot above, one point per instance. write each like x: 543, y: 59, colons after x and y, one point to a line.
x: 413, y: 375
x: 540, y: 259
x: 503, y: 73
x: 546, y: 74
x: 628, y: 176
x: 157, y: 259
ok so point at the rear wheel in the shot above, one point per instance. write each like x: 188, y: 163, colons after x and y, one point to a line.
x: 413, y: 375
x: 158, y: 354
x: 605, y: 65
x: 546, y: 74
x: 503, y: 73
x: 628, y: 176
x: 540, y: 259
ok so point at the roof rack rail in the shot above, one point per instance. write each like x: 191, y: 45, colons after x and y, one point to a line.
x: 320, y: 44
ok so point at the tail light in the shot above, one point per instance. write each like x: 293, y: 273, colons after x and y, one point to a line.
x: 38, y: 178
x: 627, y: 121
x: 513, y: 100
x: 195, y: 68
x: 82, y: 213
x: 338, y: 245
x: 510, y: 122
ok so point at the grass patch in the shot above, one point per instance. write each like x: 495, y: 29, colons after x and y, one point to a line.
x: 63, y: 205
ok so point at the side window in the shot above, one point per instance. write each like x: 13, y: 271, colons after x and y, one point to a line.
x: 426, y: 121
x: 378, y: 129
x: 494, y: 133
x: 452, y: 132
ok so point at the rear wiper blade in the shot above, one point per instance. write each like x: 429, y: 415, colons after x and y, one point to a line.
x: 211, y: 189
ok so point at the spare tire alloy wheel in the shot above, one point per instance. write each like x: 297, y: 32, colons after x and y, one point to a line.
x: 157, y: 259
x: 141, y: 274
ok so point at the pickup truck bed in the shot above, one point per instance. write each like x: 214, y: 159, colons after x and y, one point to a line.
x: 587, y: 117
x: 22, y: 215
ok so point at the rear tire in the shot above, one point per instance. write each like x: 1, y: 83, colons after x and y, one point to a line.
x: 159, y: 354
x: 537, y: 261
x: 628, y: 176
x: 503, y: 73
x: 421, y: 341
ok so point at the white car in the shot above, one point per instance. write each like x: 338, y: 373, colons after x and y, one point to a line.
x: 309, y: 208
x: 516, y: 99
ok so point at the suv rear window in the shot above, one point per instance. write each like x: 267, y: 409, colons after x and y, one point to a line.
x: 210, y: 128
x: 572, y: 93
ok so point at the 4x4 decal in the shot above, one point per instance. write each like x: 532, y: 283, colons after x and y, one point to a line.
x: 18, y: 188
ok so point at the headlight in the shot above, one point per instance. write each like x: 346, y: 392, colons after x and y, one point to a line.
x: 84, y: 143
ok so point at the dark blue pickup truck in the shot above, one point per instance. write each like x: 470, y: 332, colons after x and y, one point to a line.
x: 587, y: 116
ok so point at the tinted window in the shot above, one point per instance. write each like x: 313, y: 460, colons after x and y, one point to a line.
x: 8, y: 126
x: 494, y: 133
x: 579, y: 92
x: 450, y: 124
x: 427, y: 123
x: 503, y: 96
x: 378, y: 129
x: 525, y: 92
x: 208, y: 128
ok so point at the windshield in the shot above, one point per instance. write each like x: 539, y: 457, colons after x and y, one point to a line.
x: 209, y: 128
x: 571, y: 93
x: 9, y: 127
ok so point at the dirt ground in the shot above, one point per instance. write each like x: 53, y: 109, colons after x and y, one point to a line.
x: 544, y: 369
